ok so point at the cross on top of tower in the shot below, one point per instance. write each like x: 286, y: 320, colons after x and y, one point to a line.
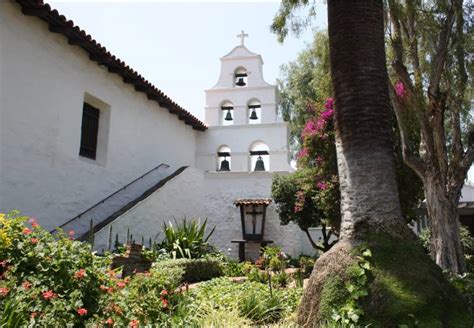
x: 242, y: 35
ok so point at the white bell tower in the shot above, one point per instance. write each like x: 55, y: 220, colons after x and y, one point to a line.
x: 241, y: 113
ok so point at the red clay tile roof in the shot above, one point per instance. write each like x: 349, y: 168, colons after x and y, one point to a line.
x: 253, y: 201
x: 76, y: 36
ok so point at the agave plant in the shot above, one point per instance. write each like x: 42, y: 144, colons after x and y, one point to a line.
x: 186, y: 239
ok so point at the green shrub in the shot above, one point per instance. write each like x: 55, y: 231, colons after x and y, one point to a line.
x: 186, y: 239
x: 50, y: 279
x: 194, y: 270
x: 252, y: 300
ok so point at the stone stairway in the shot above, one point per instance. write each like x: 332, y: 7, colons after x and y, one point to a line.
x: 120, y: 201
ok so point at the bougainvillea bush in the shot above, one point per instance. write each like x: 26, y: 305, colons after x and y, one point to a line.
x: 52, y: 281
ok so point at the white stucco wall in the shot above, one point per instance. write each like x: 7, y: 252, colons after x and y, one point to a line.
x: 239, y: 139
x: 195, y: 193
x: 44, y: 81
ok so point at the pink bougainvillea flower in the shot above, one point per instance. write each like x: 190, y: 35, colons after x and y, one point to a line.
x: 27, y: 231
x: 322, y: 185
x: 26, y: 284
x: 400, y: 88
x: 309, y: 129
x: 302, y: 153
x: 4, y: 291
x: 81, y: 311
x: 34, y: 240
x: 49, y: 294
x: 33, y: 222
x: 80, y: 274
x: 327, y: 114
x: 134, y: 323
x: 329, y: 103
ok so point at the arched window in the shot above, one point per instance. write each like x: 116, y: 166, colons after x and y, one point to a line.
x: 254, y: 112
x: 259, y: 156
x: 223, y: 159
x: 240, y: 77
x: 227, y: 113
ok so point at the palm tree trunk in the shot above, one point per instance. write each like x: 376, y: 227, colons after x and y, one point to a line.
x: 363, y: 114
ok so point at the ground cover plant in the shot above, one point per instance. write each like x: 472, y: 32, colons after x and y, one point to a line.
x: 53, y: 281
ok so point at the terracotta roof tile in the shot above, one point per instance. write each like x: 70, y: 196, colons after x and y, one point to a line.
x: 76, y: 36
x: 253, y: 201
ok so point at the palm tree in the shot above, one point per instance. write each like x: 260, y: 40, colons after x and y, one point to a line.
x: 370, y: 207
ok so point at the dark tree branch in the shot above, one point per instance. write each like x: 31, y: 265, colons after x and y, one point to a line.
x: 410, y: 159
x: 315, y: 246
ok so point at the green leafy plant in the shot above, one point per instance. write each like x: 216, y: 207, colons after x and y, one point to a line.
x: 348, y: 314
x: 186, y: 239
x: 194, y: 270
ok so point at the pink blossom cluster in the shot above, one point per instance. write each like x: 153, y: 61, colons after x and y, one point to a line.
x: 400, y: 88
x: 322, y: 185
x: 309, y: 129
x: 302, y: 153
x: 299, y: 204
x: 314, y: 127
x: 329, y: 104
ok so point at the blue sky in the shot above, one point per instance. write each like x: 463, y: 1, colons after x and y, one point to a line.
x: 177, y: 45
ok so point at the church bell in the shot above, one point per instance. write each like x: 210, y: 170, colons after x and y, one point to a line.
x: 259, y: 165
x: 228, y: 116
x: 225, y: 165
x: 253, y: 115
x: 240, y: 82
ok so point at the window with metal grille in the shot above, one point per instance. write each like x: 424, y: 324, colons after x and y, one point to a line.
x: 89, y: 131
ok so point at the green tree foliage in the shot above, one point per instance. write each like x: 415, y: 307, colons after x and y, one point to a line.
x: 305, y: 87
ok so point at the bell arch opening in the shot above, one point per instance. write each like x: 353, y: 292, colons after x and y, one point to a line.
x: 254, y: 111
x: 226, y: 116
x: 223, y: 159
x: 259, y: 157
x: 240, y: 77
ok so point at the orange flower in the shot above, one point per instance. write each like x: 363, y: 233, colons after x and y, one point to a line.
x: 81, y: 311
x: 80, y: 274
x: 33, y: 222
x: 49, y: 294
x: 26, y: 284
x: 27, y: 231
x: 34, y: 240
x: 121, y: 284
x: 4, y: 291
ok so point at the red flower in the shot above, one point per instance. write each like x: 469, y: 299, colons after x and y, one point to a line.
x: 3, y: 264
x: 164, y: 292
x: 81, y: 311
x: 4, y: 291
x: 134, y: 323
x: 109, y: 321
x: 26, y: 284
x: 49, y: 294
x: 164, y: 302
x: 34, y: 314
x: 27, y: 231
x: 80, y: 274
x: 121, y: 284
x: 106, y: 289
x: 34, y: 240
x: 33, y: 222
x: 71, y: 234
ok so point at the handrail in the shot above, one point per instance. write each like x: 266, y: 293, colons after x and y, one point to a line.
x: 108, y: 197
